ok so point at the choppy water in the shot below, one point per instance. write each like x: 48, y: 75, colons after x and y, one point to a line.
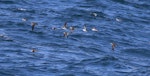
x: 125, y: 22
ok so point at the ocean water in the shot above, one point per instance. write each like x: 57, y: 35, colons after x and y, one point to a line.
x: 124, y: 22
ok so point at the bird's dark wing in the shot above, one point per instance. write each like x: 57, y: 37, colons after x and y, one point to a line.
x: 32, y: 27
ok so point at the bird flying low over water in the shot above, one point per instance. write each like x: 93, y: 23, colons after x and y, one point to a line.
x: 33, y: 50
x: 94, y: 14
x: 33, y: 25
x: 72, y: 28
x: 53, y: 28
x: 94, y: 29
x: 118, y: 19
x: 24, y: 19
x: 113, y: 45
x: 66, y: 34
x: 65, y: 26
x: 84, y: 28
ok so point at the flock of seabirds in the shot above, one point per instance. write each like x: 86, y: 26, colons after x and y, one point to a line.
x: 71, y: 28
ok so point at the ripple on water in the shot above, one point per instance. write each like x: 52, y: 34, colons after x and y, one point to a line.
x: 142, y: 52
x: 7, y: 2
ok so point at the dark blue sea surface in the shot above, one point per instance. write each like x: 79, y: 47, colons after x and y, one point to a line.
x: 124, y: 22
